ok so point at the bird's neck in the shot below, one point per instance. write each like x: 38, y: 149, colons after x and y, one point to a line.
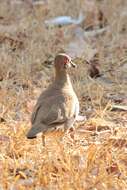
x: 62, y: 79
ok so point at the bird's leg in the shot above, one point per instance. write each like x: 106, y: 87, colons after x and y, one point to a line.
x: 43, y: 139
x: 70, y: 127
x: 71, y: 132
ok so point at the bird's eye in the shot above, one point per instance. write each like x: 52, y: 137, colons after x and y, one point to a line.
x: 66, y: 60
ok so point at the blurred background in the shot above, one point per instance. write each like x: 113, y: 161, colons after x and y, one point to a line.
x: 30, y: 36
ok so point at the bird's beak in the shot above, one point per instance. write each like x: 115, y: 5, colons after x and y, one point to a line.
x: 73, y: 64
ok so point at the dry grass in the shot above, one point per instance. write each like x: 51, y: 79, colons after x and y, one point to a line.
x: 95, y: 156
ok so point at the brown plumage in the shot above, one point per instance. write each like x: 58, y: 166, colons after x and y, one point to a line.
x: 58, y: 105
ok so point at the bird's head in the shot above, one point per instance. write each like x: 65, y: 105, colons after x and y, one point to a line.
x: 63, y: 62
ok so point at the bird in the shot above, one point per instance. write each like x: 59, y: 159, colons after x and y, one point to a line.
x: 57, y: 106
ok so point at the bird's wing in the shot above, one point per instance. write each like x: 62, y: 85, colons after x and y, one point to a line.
x: 34, y: 114
x: 50, y: 111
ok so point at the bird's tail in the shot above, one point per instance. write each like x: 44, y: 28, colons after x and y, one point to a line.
x: 35, y: 129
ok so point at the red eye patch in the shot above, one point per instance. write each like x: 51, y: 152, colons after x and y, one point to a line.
x: 66, y: 60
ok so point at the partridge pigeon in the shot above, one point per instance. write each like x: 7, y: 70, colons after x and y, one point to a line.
x: 58, y: 105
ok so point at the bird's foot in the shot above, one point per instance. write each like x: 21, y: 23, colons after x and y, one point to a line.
x: 71, y: 132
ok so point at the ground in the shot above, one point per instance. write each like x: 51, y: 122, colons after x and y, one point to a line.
x: 94, y: 156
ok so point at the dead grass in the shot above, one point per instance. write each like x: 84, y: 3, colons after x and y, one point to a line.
x: 95, y: 156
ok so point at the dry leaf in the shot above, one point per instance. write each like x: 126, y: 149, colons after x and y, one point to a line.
x: 118, y: 142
